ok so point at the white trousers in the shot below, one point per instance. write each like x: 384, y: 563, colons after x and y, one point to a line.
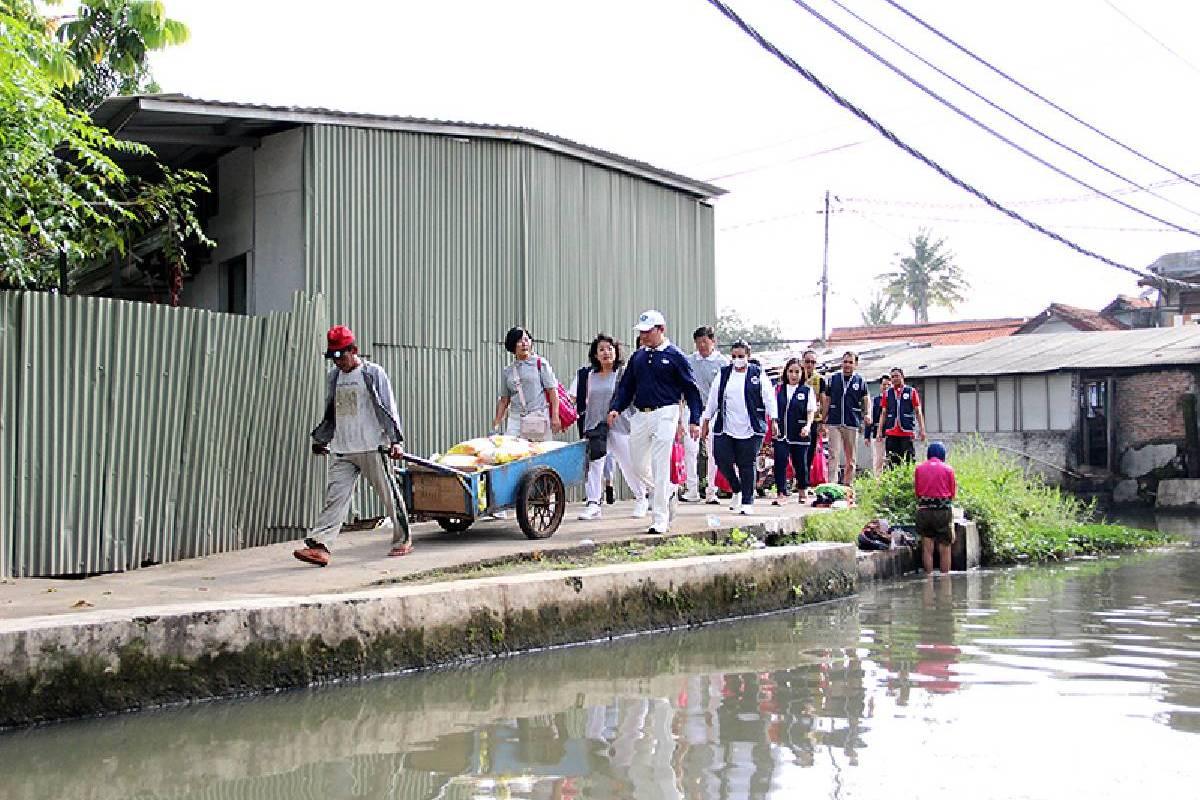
x: 650, y: 444
x: 618, y: 448
x: 691, y: 449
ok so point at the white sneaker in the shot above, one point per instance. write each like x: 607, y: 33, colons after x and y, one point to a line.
x: 691, y: 497
x: 746, y: 511
x: 590, y: 511
x: 736, y: 506
x: 640, y: 508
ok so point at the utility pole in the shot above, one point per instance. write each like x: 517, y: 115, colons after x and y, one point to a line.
x: 825, y: 270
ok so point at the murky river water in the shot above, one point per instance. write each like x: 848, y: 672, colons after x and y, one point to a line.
x: 1080, y: 680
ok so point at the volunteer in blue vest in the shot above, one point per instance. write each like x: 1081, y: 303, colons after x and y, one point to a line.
x: 741, y: 405
x: 657, y: 376
x: 593, y: 389
x: 361, y: 430
x: 528, y: 404
x: 873, y: 441
x: 795, y: 410
x: 846, y: 407
x: 902, y: 416
x: 816, y: 383
x: 706, y: 362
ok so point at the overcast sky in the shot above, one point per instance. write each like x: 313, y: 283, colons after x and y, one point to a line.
x: 674, y: 83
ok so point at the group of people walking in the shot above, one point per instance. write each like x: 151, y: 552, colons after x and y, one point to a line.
x: 632, y: 413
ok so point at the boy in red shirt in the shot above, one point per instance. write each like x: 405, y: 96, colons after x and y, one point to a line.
x: 935, y: 487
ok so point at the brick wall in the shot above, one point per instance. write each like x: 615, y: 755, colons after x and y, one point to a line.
x: 1148, y: 409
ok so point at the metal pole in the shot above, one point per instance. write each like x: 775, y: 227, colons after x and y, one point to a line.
x: 825, y: 271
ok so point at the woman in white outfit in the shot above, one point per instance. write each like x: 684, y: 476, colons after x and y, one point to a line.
x: 593, y: 390
x: 741, y: 406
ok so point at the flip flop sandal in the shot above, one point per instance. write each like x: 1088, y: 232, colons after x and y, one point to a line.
x: 400, y: 550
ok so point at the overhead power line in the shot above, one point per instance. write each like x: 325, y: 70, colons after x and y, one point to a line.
x: 1047, y: 101
x: 1151, y: 36
x: 761, y: 167
x: 983, y: 125
x: 1001, y: 109
x: 791, y: 63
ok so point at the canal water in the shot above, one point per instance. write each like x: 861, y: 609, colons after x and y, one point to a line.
x: 1077, y: 680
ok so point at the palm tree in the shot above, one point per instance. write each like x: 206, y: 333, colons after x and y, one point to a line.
x: 882, y: 310
x: 928, y: 277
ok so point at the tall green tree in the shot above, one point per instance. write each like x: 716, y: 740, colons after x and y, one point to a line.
x: 882, y: 310
x: 925, y: 278
x: 62, y: 196
x: 731, y: 326
x: 109, y: 42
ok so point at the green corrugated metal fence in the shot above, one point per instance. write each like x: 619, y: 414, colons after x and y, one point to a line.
x: 135, y: 432
x: 431, y: 247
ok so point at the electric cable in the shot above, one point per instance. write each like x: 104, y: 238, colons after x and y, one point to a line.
x: 760, y: 168
x: 1151, y: 36
x: 1000, y: 108
x: 791, y: 63
x: 1041, y: 97
x: 984, y: 126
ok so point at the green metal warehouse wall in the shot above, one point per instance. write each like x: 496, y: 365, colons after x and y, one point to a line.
x: 432, y: 247
x: 136, y: 432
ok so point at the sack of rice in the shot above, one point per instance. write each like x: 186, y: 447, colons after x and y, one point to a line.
x: 460, y: 461
x: 472, y: 447
x: 546, y: 447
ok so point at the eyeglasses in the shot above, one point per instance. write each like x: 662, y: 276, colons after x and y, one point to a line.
x: 810, y: 361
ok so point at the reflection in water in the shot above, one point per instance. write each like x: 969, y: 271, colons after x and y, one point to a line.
x: 1030, y: 682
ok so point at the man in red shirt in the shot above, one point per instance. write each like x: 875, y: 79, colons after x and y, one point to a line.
x: 900, y: 416
x: 935, y: 487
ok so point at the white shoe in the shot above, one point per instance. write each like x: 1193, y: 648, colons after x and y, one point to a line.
x: 691, y: 497
x: 590, y: 511
x: 746, y: 511
x: 640, y: 508
x: 736, y: 506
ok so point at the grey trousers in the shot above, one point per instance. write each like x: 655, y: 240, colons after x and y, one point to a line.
x: 343, y: 475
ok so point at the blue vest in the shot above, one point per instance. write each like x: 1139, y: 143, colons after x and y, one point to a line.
x: 754, y: 399
x: 845, y: 400
x: 792, y: 418
x: 903, y: 407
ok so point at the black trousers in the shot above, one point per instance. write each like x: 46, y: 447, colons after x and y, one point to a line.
x: 736, y: 460
x: 899, y: 449
x: 798, y: 455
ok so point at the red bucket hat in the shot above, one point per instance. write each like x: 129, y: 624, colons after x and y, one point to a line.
x: 338, y: 339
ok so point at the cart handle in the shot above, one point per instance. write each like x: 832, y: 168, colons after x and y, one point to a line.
x: 440, y: 468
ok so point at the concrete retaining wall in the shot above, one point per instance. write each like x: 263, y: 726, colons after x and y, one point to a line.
x: 98, y: 662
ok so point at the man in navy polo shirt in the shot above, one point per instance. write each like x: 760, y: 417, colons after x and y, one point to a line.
x: 846, y: 407
x: 655, y: 378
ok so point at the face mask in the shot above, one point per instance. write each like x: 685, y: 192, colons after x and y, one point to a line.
x: 740, y: 362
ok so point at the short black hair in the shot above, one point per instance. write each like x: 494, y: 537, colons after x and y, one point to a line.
x: 896, y: 369
x: 742, y: 343
x: 704, y: 330
x: 513, y: 336
x: 595, y: 348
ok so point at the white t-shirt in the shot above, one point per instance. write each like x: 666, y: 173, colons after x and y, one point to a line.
x: 737, y: 417
x: 357, y: 428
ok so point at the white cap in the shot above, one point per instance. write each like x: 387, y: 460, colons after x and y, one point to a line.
x: 649, y: 320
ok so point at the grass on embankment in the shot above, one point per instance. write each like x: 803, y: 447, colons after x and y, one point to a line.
x: 616, y: 553
x: 1020, y: 517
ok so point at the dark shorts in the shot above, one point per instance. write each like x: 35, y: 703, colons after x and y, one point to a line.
x: 899, y: 449
x: 936, y: 523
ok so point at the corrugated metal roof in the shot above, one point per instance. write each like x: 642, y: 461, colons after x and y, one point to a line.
x: 124, y: 116
x: 1017, y: 355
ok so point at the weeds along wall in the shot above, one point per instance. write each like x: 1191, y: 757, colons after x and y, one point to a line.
x: 136, y: 433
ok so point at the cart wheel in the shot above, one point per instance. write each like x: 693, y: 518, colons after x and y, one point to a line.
x: 541, y: 501
x: 454, y: 524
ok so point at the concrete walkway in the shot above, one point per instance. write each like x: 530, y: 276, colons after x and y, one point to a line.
x: 359, y: 560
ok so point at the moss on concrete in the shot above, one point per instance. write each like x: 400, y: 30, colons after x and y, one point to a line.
x: 83, y: 686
